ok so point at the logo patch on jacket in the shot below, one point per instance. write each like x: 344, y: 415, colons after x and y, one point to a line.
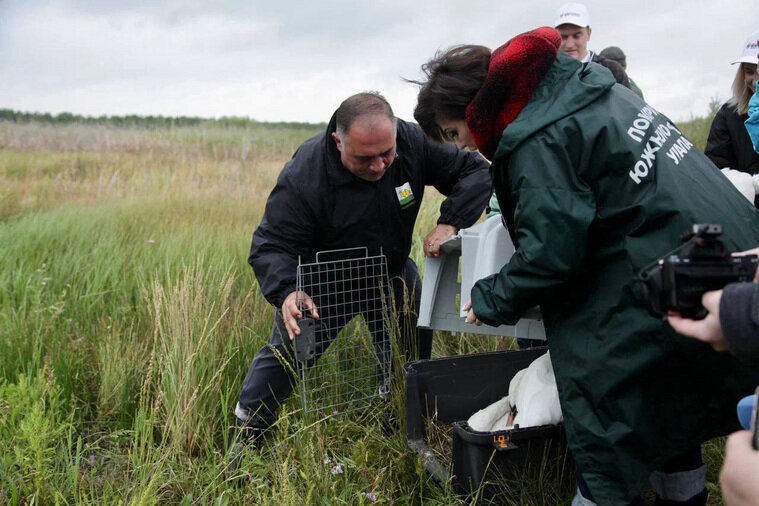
x: 405, y: 195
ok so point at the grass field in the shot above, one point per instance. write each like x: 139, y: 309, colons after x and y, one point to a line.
x: 129, y: 316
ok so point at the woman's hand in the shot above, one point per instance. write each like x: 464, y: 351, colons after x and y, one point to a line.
x: 470, y: 316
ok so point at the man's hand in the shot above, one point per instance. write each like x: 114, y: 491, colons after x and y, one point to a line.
x: 291, y: 313
x: 754, y: 251
x: 470, y: 316
x: 707, y: 330
x: 740, y: 473
x: 439, y: 234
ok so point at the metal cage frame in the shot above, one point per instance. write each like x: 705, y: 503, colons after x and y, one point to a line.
x: 344, y: 358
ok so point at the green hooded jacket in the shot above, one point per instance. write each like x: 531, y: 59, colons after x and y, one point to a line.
x: 595, y: 185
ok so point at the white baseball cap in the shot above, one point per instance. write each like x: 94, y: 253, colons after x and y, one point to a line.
x: 574, y: 14
x: 750, y: 49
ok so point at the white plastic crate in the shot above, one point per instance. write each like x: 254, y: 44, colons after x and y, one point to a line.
x: 471, y: 255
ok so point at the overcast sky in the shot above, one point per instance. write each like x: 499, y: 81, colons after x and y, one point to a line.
x: 296, y: 60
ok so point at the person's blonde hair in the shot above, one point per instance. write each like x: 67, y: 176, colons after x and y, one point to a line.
x: 741, y: 92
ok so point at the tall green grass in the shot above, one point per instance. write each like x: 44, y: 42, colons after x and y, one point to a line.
x: 129, y: 317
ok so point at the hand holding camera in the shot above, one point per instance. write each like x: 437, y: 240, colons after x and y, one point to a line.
x: 678, y: 281
x: 707, y: 329
x: 687, y: 284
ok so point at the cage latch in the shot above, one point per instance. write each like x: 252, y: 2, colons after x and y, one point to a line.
x: 502, y: 442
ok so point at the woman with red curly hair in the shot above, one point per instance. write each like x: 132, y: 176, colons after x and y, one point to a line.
x: 594, y: 185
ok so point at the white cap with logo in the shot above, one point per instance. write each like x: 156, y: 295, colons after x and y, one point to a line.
x: 573, y: 14
x: 750, y: 49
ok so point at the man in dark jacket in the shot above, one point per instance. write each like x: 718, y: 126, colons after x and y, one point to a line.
x: 360, y: 184
x: 618, y: 56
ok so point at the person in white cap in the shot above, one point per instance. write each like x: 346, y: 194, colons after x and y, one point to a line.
x: 573, y: 24
x: 728, y: 144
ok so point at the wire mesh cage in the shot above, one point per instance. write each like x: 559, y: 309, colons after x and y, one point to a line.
x: 344, y: 357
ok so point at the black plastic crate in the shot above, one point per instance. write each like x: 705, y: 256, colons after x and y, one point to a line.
x: 497, y: 459
x: 450, y: 390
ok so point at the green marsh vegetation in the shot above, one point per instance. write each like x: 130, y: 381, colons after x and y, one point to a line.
x: 129, y: 316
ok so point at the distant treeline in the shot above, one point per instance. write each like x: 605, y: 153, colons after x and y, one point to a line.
x: 133, y: 120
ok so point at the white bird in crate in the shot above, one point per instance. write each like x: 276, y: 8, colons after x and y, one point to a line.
x: 533, y: 400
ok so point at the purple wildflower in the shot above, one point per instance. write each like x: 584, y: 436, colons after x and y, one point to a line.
x: 370, y: 496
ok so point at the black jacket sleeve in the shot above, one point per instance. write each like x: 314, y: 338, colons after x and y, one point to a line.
x: 285, y: 233
x: 739, y: 318
x: 719, y: 147
x: 463, y: 176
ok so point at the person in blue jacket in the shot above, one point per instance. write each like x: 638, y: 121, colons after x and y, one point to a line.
x: 752, y: 122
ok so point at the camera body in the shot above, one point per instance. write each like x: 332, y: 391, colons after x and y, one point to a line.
x: 676, y: 281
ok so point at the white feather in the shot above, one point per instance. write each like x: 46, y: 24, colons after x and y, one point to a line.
x: 484, y: 419
x: 503, y: 423
x: 514, y: 386
x: 537, y: 398
x: 532, y: 392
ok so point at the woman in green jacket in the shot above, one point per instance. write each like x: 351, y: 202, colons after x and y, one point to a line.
x: 594, y: 185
